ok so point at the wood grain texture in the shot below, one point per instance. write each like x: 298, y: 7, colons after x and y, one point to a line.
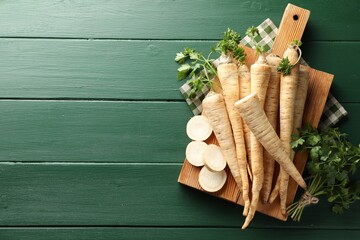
x: 136, y: 195
x: 140, y: 233
x: 93, y: 131
x: 91, y: 69
x: 111, y: 69
x: 292, y: 26
x: 159, y: 19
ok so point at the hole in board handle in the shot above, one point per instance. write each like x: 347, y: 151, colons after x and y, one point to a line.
x: 295, y: 17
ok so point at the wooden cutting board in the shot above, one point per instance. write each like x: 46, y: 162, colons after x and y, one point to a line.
x: 292, y: 27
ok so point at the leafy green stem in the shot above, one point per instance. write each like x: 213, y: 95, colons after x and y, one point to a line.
x: 197, y: 69
x: 332, y: 161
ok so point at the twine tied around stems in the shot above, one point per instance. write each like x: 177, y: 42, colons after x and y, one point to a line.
x: 307, y: 199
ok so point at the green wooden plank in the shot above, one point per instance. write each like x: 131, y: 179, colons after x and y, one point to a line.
x: 159, y: 19
x: 350, y: 124
x: 133, y: 69
x: 96, y: 131
x: 104, y: 131
x: 91, y: 69
x: 330, y: 57
x: 129, y: 195
x: 175, y: 233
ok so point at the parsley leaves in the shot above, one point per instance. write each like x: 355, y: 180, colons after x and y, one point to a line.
x: 333, y: 160
x: 197, y: 68
x: 285, y: 66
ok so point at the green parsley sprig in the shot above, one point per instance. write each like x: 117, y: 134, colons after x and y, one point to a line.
x: 285, y: 66
x: 196, y: 68
x: 229, y: 42
x: 229, y: 46
x: 199, y: 70
x: 333, y: 160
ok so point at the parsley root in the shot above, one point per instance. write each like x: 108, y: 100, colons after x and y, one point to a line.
x: 254, y: 115
x: 228, y: 76
x: 215, y: 110
x: 288, y: 87
x: 271, y: 108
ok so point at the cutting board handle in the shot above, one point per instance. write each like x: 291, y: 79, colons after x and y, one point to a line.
x: 292, y: 27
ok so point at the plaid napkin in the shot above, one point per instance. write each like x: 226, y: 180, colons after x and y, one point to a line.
x: 333, y: 110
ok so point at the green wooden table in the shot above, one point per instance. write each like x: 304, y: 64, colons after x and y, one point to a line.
x: 93, y: 125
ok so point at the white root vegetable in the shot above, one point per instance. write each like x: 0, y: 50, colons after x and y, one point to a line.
x: 301, y: 94
x: 271, y: 108
x: 229, y: 79
x: 213, y: 158
x: 212, y: 181
x: 215, y: 110
x: 260, y: 74
x: 245, y: 90
x: 252, y: 112
x: 195, y: 153
x: 198, y: 128
x: 288, y: 87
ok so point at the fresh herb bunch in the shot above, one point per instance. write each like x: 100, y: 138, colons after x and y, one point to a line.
x: 252, y: 32
x: 229, y: 43
x: 285, y: 66
x: 332, y: 162
x: 229, y: 46
x: 199, y: 68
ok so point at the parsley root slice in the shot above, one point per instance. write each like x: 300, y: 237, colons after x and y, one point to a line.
x: 252, y: 112
x: 260, y: 73
x: 215, y: 110
x: 211, y: 181
x: 288, y: 88
x: 271, y: 108
x: 228, y: 77
x: 213, y: 158
x: 245, y: 90
x: 195, y: 153
x: 198, y: 128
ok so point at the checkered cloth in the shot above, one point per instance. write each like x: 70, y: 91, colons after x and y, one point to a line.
x: 266, y: 37
x: 333, y: 110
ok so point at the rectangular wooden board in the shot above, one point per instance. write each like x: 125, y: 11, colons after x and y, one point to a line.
x: 319, y: 85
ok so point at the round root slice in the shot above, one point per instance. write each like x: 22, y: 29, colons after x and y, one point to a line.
x: 198, y: 128
x: 211, y: 181
x: 194, y: 153
x: 213, y: 158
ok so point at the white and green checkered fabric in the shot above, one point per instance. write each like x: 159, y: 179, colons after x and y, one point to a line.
x: 194, y: 103
x: 333, y: 111
x: 266, y: 37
